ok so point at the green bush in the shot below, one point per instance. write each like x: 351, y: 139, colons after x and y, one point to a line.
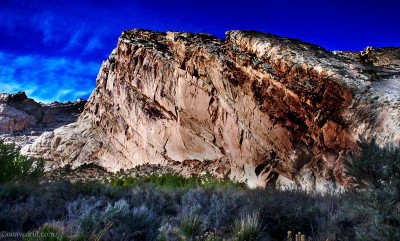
x: 13, y: 165
x: 171, y: 181
x: 374, y: 206
x: 191, y: 227
x: 375, y: 168
x: 127, y: 181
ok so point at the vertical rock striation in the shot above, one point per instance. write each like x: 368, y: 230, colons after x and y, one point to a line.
x: 258, y: 107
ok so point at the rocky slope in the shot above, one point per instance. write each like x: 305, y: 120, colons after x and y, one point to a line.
x: 258, y: 107
x: 22, y: 119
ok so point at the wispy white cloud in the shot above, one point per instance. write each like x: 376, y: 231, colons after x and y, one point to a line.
x: 94, y: 43
x: 44, y: 22
x: 47, y: 78
x: 75, y: 40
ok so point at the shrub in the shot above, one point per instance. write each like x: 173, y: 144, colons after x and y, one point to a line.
x: 118, y: 222
x: 375, y: 205
x: 127, y: 181
x: 210, y: 182
x: 144, y: 223
x: 224, y: 207
x: 247, y: 228
x: 82, y: 207
x: 159, y: 201
x: 170, y: 181
x: 212, y: 210
x: 166, y: 181
x: 17, y: 192
x: 95, y: 223
x: 191, y: 227
x: 30, y: 213
x: 375, y: 168
x: 281, y: 211
x: 13, y: 165
x: 325, y: 222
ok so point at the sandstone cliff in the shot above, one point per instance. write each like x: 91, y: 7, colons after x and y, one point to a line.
x: 258, y: 107
x: 22, y: 119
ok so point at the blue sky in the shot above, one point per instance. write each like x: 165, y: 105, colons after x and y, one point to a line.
x: 53, y: 49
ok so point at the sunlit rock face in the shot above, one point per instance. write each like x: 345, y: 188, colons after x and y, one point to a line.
x: 22, y: 119
x: 257, y: 107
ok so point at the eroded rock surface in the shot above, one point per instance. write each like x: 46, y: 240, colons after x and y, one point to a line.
x: 261, y: 108
x: 22, y: 119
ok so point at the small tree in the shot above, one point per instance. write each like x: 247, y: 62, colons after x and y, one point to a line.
x: 13, y: 165
x: 375, y: 168
x: 376, y: 206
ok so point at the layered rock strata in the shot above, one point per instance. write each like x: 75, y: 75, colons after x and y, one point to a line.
x: 258, y: 107
x: 23, y: 119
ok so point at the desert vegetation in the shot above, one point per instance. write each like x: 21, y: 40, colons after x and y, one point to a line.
x: 14, y: 166
x: 171, y: 207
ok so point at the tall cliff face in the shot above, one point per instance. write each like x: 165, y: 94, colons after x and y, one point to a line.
x: 258, y: 107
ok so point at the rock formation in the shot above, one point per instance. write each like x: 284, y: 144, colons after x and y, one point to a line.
x: 22, y: 119
x: 261, y: 108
